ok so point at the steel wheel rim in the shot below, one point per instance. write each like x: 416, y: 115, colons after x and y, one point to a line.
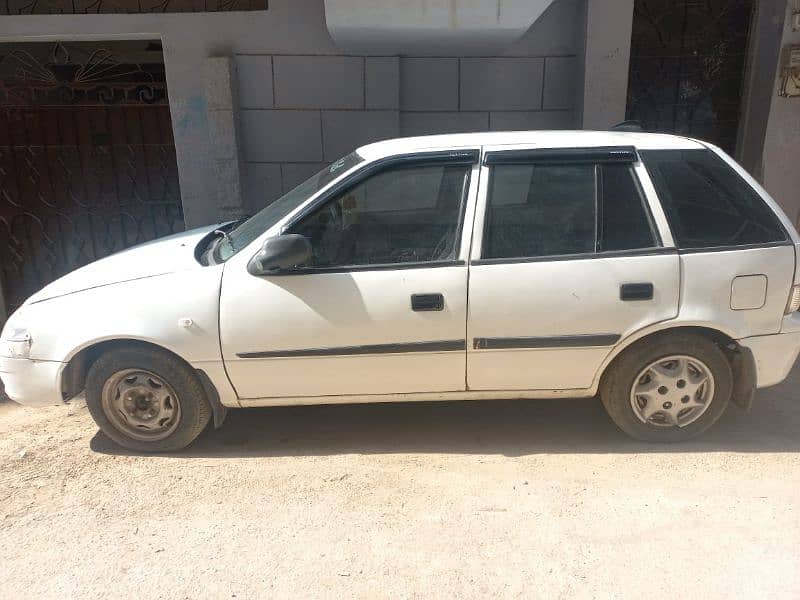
x: 673, y: 391
x: 141, y: 405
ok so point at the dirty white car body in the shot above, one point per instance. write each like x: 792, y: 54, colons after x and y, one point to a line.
x: 467, y: 326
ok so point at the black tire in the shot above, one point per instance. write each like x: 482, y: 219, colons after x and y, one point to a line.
x: 617, y: 382
x: 195, y: 411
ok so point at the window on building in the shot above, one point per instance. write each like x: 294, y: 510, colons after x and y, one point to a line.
x: 707, y: 203
x: 539, y: 210
x: 401, y: 215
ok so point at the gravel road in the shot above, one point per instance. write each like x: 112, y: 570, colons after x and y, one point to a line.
x: 432, y: 500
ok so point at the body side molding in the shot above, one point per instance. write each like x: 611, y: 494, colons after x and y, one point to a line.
x: 436, y: 346
x: 558, y: 341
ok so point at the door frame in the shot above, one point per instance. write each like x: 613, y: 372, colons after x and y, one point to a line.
x: 468, y: 156
x: 648, y: 191
x: 362, y: 171
x: 554, y: 154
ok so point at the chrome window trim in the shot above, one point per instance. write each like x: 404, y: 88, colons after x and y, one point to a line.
x: 779, y: 244
x: 438, y: 264
x: 654, y: 251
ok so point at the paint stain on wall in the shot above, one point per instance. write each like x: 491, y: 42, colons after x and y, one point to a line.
x: 192, y: 115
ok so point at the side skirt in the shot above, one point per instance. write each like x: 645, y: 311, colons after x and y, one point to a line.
x: 419, y: 397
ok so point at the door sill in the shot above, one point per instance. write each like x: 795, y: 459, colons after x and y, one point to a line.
x: 418, y: 397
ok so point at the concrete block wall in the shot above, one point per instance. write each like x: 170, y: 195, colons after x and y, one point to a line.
x: 300, y: 111
x: 302, y: 101
x: 449, y: 95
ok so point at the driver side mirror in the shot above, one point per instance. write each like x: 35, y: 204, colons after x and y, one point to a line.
x: 280, y: 253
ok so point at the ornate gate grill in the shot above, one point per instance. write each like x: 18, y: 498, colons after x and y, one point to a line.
x: 687, y: 66
x: 87, y: 160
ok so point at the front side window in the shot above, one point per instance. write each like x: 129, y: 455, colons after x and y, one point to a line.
x: 409, y: 214
x: 707, y: 203
x: 539, y: 210
x: 248, y: 231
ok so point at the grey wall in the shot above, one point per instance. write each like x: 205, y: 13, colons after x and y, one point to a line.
x: 605, y: 62
x: 302, y: 103
x: 301, y: 111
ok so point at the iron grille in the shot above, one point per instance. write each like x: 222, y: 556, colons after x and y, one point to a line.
x: 87, y: 162
x: 687, y: 65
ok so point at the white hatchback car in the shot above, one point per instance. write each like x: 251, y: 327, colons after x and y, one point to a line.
x: 649, y: 268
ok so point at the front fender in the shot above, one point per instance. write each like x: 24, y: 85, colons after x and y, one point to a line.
x: 178, y: 312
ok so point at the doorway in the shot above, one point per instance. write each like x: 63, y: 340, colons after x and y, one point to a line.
x: 687, y: 67
x: 87, y: 157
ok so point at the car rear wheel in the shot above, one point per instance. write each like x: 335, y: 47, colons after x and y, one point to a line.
x: 669, y: 388
x: 146, y: 399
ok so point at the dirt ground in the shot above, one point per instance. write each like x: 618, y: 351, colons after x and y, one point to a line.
x: 433, y: 500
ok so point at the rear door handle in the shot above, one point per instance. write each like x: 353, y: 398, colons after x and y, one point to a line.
x: 636, y: 291
x: 427, y: 302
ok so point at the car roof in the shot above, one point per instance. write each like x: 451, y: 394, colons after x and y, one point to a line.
x: 536, y: 139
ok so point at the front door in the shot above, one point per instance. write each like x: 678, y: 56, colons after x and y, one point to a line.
x: 380, y: 308
x: 567, y: 260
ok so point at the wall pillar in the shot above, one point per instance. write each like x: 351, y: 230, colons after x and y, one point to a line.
x: 603, y: 98
x: 223, y: 126
x: 780, y: 175
x: 764, y: 50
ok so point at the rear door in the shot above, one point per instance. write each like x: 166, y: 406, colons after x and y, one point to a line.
x: 570, y: 255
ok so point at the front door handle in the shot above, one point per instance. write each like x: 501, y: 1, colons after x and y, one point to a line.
x: 427, y: 302
x: 636, y: 291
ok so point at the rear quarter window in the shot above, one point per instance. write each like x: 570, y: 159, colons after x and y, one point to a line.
x: 707, y: 203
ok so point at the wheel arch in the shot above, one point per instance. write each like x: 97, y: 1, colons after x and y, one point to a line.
x: 76, y: 368
x: 740, y: 358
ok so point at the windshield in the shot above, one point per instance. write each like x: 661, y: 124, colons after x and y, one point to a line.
x: 248, y: 231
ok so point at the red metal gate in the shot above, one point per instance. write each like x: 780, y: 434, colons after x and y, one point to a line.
x: 87, y: 158
x: 687, y: 66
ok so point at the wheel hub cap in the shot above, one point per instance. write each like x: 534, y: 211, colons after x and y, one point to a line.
x: 141, y: 404
x: 672, y: 392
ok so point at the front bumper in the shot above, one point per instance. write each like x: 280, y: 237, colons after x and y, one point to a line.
x: 31, y: 382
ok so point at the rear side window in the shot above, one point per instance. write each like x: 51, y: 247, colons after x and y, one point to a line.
x: 624, y: 223
x: 707, y: 203
x: 539, y: 210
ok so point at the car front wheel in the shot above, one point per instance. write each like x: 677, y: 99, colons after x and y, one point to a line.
x: 146, y: 400
x: 669, y: 388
